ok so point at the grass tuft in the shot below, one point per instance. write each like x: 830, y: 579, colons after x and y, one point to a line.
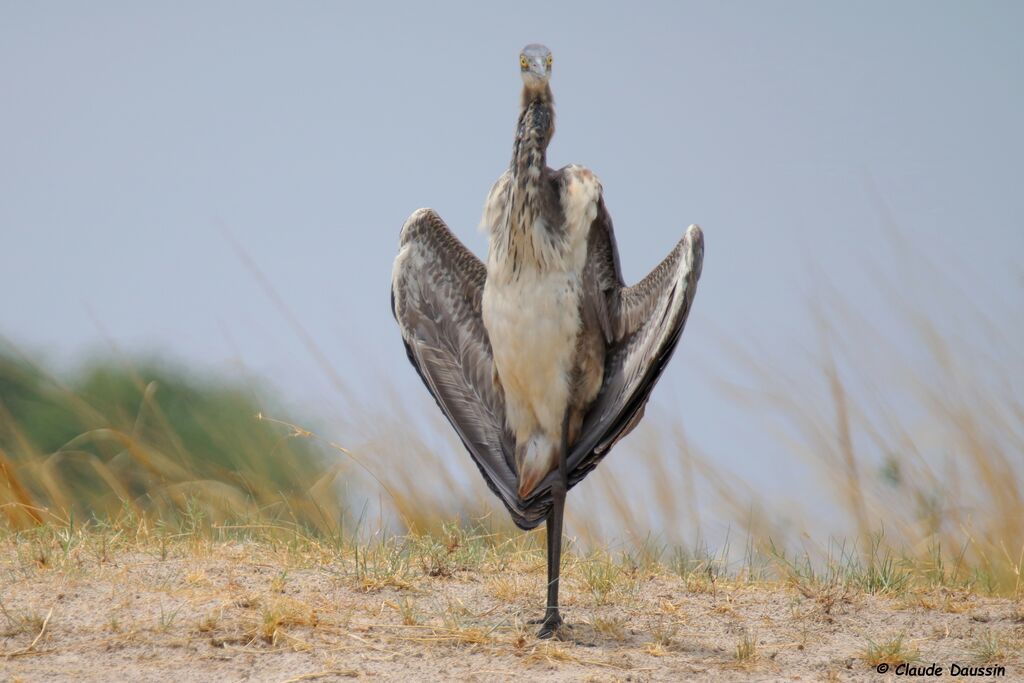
x: 892, y: 651
x: 746, y: 648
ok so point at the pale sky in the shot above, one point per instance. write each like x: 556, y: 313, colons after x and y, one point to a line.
x: 133, y: 134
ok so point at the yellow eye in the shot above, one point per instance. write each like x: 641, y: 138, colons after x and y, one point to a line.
x: 523, y: 62
x: 549, y: 60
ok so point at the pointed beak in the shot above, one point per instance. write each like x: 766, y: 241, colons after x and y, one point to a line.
x: 537, y: 72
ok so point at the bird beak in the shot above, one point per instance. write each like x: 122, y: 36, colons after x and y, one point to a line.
x: 537, y: 72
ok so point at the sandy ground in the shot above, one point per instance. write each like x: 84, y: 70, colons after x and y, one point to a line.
x: 232, y: 614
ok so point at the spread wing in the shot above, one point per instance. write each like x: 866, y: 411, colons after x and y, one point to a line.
x: 643, y: 324
x: 602, y: 276
x: 649, y: 318
x: 436, y: 290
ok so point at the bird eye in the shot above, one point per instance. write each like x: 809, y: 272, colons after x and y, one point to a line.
x: 523, y: 62
x: 549, y: 60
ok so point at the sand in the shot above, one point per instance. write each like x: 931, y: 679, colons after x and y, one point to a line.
x: 232, y: 613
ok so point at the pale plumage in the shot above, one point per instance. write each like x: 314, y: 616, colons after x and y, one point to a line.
x: 531, y: 310
x: 543, y: 358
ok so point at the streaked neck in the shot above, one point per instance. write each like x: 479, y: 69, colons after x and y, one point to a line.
x: 536, y: 126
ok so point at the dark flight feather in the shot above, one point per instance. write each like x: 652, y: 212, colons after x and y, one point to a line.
x: 437, y: 287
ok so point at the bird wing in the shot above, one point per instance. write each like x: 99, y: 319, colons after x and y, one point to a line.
x: 436, y: 290
x: 602, y: 276
x: 645, y: 322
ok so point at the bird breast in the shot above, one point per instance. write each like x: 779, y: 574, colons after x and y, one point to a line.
x: 532, y: 311
x: 533, y: 322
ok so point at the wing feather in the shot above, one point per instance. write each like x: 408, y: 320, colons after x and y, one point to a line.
x: 649, y: 320
x: 437, y: 287
x: 436, y: 291
x: 646, y: 322
x: 602, y: 275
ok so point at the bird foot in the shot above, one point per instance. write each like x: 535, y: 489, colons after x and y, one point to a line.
x: 552, y: 626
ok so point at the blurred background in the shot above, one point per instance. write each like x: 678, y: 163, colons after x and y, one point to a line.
x: 200, y: 204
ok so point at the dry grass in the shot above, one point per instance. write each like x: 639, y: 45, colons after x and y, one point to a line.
x: 920, y: 448
x: 931, y: 493
x: 19, y: 622
x: 746, y: 648
x: 995, y: 647
x: 891, y: 651
x: 611, y: 627
x: 213, y: 599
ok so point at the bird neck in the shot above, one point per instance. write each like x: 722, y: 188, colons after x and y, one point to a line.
x: 536, y: 126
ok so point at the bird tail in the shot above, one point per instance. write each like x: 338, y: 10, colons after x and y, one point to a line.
x: 534, y: 459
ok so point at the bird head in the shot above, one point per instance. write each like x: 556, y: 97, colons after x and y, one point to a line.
x: 535, y: 66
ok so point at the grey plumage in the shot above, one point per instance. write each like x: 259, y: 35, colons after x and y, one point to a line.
x: 436, y: 293
x: 543, y: 358
x: 436, y: 289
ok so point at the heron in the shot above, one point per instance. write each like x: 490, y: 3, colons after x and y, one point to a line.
x: 542, y: 358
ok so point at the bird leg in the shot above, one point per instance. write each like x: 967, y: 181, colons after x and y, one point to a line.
x: 552, y: 619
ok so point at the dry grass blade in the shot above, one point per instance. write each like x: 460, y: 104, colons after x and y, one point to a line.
x: 305, y: 433
x: 346, y: 673
x: 31, y: 646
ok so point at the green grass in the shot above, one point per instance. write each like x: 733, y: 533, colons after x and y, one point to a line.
x: 147, y: 440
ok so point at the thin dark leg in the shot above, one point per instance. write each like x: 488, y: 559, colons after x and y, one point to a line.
x: 552, y: 605
x: 552, y: 619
